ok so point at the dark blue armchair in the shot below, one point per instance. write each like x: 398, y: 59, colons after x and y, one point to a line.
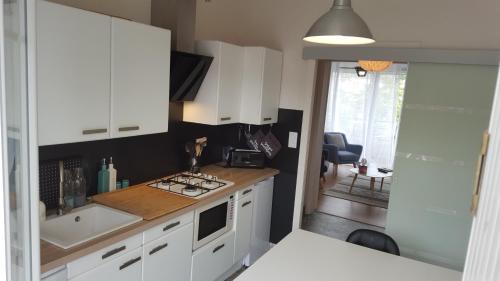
x: 340, y: 151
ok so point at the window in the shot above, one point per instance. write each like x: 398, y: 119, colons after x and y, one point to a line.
x: 367, y: 109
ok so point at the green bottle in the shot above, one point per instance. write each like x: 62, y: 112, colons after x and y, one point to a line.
x: 103, y: 178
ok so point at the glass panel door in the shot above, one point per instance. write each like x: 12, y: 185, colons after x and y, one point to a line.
x: 17, y: 191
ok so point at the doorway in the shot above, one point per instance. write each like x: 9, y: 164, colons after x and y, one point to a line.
x: 361, y: 125
x: 438, y: 143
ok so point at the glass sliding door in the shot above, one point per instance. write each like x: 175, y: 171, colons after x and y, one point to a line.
x: 19, y: 186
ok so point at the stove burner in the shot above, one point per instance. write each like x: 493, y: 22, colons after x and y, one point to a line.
x: 191, y: 187
x: 189, y: 184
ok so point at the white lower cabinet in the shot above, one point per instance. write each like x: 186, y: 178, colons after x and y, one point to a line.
x: 213, y: 259
x: 169, y: 257
x: 243, y: 228
x: 261, y: 220
x: 125, y: 268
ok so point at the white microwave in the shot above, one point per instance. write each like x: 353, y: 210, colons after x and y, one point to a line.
x: 213, y: 220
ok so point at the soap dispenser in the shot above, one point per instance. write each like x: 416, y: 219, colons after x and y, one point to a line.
x: 111, y: 175
x: 103, y: 178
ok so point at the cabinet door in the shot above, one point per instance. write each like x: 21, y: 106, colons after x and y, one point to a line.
x: 125, y: 268
x: 271, y: 87
x: 73, y: 74
x: 169, y: 257
x: 218, y: 100
x: 244, y: 211
x: 261, y: 87
x: 213, y: 259
x: 140, y: 70
x: 261, y: 220
x: 231, y: 78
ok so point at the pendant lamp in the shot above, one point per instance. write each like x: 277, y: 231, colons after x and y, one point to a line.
x: 340, y: 26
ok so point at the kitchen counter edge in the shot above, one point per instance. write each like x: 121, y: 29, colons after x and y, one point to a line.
x: 52, y: 256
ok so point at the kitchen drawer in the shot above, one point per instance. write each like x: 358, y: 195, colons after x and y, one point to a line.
x: 245, y: 192
x: 58, y: 274
x: 167, y: 227
x: 127, y: 267
x: 104, y: 255
x: 169, y: 257
x: 213, y: 259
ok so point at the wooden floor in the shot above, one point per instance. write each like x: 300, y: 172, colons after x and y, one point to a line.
x: 352, y: 210
x: 348, y: 209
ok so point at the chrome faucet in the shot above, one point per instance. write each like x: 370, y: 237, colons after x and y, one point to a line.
x: 61, y: 206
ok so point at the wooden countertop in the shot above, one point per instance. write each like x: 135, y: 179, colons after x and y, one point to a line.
x: 52, y: 256
x: 304, y: 255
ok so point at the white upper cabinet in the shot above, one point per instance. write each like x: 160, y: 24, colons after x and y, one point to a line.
x: 140, y: 75
x: 261, y: 86
x: 218, y: 100
x: 99, y: 77
x: 73, y: 74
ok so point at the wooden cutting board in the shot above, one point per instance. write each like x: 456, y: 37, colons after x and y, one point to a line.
x: 146, y: 202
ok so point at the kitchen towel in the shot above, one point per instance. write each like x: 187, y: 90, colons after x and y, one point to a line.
x: 270, y: 145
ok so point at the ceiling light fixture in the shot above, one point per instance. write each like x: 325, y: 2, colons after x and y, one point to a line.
x: 360, y: 71
x: 340, y: 26
x: 374, y: 65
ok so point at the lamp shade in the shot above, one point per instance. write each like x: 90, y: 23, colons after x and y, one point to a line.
x: 341, y: 25
x: 374, y: 66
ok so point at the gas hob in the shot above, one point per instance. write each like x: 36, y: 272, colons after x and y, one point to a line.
x: 194, y: 185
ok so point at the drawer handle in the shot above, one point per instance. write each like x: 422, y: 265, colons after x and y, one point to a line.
x: 172, y: 225
x: 268, y: 119
x: 114, y: 251
x: 94, y: 131
x: 225, y: 118
x: 246, y: 203
x: 127, y: 129
x: 247, y: 191
x: 129, y: 263
x: 158, y: 248
x: 218, y: 248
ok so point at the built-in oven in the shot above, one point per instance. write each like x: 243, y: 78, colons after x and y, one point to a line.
x: 213, y: 220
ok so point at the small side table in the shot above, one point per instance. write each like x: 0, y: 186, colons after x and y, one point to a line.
x: 372, y: 174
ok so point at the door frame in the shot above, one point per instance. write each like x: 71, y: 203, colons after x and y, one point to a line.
x: 483, y: 252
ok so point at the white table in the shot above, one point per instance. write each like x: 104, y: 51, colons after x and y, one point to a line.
x: 304, y: 256
x: 372, y: 173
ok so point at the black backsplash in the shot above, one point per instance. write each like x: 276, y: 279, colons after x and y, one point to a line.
x: 149, y: 157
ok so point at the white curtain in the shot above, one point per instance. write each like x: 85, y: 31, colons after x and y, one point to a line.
x: 367, y: 109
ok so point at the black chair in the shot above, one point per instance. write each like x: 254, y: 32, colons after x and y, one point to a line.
x: 374, y: 240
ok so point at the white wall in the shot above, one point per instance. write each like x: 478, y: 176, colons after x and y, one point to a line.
x: 136, y: 10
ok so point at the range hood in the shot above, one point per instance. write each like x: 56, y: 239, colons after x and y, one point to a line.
x: 187, y: 72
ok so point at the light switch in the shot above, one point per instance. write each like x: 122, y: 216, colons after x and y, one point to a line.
x: 292, y: 139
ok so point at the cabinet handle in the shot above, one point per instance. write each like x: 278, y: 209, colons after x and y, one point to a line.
x: 94, y: 131
x: 172, y: 225
x: 129, y: 263
x: 247, y: 191
x: 246, y: 203
x: 158, y: 248
x: 268, y: 118
x: 225, y: 118
x: 127, y: 129
x: 114, y: 251
x: 218, y: 248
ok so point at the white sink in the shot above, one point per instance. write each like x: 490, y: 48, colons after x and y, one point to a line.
x: 84, y: 224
